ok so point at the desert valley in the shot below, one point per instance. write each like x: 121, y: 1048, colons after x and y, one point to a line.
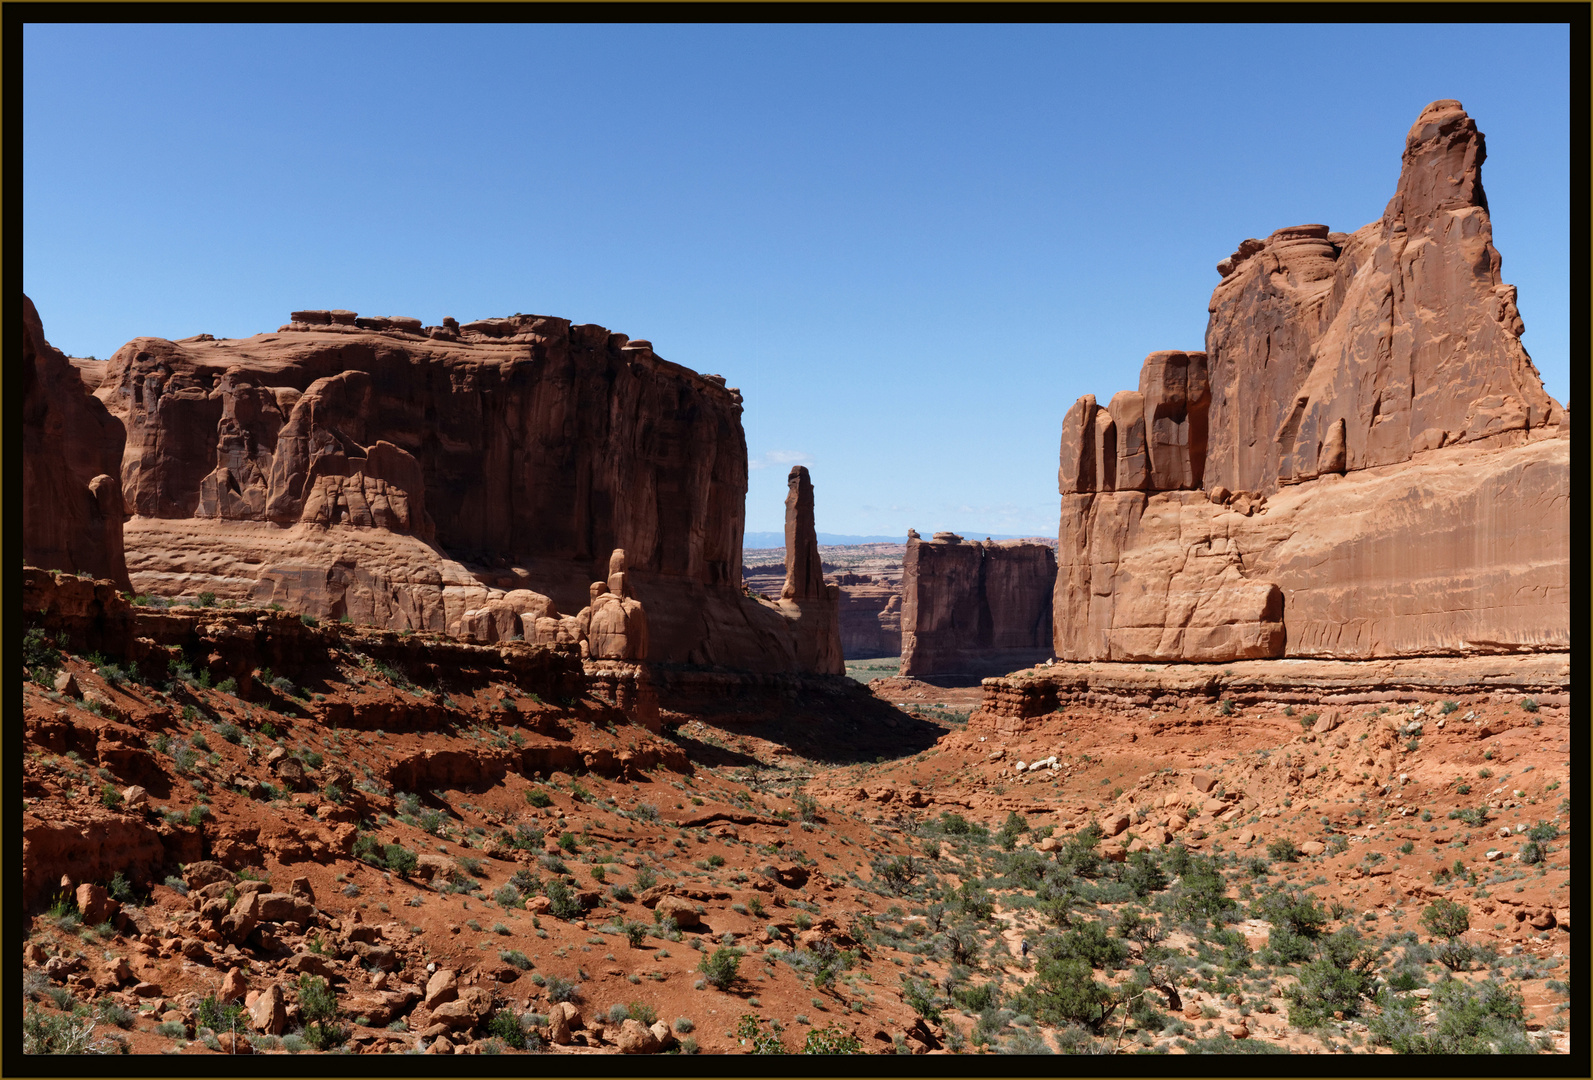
x: 392, y: 688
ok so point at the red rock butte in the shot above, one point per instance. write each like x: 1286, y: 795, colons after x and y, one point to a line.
x: 1362, y: 463
x: 485, y: 480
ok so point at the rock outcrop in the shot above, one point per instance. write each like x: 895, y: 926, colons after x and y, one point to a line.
x: 471, y: 479
x: 1363, y: 462
x: 71, y: 462
x: 806, y: 600
x: 975, y: 609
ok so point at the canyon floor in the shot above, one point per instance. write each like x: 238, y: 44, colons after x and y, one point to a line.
x: 364, y: 859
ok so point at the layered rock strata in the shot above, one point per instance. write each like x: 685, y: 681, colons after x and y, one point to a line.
x: 1363, y: 462
x: 1012, y: 701
x: 415, y: 477
x: 974, y: 608
x: 72, y: 509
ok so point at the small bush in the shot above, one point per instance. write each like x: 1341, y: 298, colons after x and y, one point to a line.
x: 400, y: 860
x: 505, y: 1025
x: 561, y: 989
x: 1529, y: 704
x: 1446, y: 918
x: 218, y: 1017
x: 538, y: 798
x: 720, y: 968
x: 1283, y: 850
x: 564, y: 905
x: 684, y: 1025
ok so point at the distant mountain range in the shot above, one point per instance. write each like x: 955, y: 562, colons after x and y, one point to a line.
x: 756, y: 540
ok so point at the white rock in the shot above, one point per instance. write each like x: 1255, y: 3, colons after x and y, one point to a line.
x: 1494, y: 855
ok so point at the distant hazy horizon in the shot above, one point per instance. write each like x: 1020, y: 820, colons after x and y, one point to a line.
x: 911, y: 247
x: 764, y: 541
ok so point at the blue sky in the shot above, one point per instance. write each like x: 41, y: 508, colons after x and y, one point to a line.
x: 911, y: 247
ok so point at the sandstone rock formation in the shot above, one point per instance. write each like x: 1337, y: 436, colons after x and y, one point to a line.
x: 806, y: 600
x: 471, y: 479
x: 975, y: 608
x: 71, y: 462
x: 870, y: 619
x: 1362, y: 463
x: 617, y: 625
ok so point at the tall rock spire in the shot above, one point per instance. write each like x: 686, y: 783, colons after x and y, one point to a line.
x: 804, y: 572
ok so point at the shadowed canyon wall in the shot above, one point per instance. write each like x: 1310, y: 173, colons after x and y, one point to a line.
x: 71, y: 460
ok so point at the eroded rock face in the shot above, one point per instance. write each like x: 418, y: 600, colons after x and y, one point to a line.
x: 806, y: 600
x: 975, y: 608
x: 435, y: 478
x: 1250, y: 513
x: 1403, y: 331
x: 71, y: 459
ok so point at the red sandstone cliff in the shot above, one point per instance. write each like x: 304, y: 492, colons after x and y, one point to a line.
x: 410, y: 476
x: 1362, y: 463
x: 975, y: 609
x: 71, y: 458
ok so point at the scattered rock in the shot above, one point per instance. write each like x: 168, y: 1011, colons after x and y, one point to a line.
x: 269, y: 1014
x: 636, y: 1038
x: 441, y: 987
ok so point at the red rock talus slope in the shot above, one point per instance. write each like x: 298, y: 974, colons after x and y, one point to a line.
x: 71, y: 458
x: 974, y: 609
x: 1363, y: 462
x: 409, y: 477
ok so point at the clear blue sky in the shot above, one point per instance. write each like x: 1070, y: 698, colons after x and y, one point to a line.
x: 911, y: 247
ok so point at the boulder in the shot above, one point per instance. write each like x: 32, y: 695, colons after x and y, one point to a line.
x: 233, y: 986
x: 442, y: 987
x: 269, y: 1014
x: 466, y: 1011
x: 284, y: 907
x: 242, y: 919
x: 95, y: 905
x: 200, y: 874
x: 636, y: 1038
x: 683, y: 911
